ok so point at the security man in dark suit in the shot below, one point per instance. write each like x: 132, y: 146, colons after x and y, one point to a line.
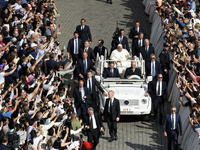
x: 111, y: 72
x: 91, y: 83
x: 74, y: 46
x: 165, y: 62
x: 172, y: 126
x: 83, y: 66
x: 81, y: 99
x: 100, y: 49
x: 123, y: 40
x: 109, y: 1
x: 84, y: 31
x: 112, y: 115
x: 153, y: 67
x: 4, y: 142
x: 146, y: 50
x: 132, y: 70
x: 137, y: 43
x: 88, y: 50
x: 135, y: 31
x: 158, y: 92
x: 94, y: 127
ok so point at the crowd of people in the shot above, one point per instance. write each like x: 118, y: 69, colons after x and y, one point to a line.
x: 180, y: 21
x: 41, y: 110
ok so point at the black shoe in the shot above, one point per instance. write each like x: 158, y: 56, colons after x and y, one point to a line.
x: 116, y: 138
x: 110, y: 2
x: 107, y: 1
x: 110, y: 139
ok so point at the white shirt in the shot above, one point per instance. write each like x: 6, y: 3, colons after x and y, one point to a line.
x: 137, y: 29
x: 89, y: 79
x: 93, y: 121
x: 174, y: 120
x: 154, y: 68
x: 36, y: 141
x: 146, y: 48
x: 82, y: 27
x: 82, y: 93
x: 160, y: 88
x: 140, y: 42
x: 85, y: 49
x: 2, y: 78
x: 75, y: 45
x: 109, y: 104
x: 120, y: 39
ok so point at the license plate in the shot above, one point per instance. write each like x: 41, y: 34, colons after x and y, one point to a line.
x: 126, y: 109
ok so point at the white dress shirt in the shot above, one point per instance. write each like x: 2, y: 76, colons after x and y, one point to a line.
x: 140, y: 42
x: 93, y: 121
x: 82, y: 27
x: 160, y: 88
x: 75, y: 45
x: 154, y: 68
x: 82, y: 93
x: 174, y: 120
x: 109, y: 104
x: 120, y: 39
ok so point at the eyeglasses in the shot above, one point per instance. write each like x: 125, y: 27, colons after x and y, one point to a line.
x: 159, y: 77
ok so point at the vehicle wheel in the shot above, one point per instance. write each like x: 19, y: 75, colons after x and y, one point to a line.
x: 147, y: 117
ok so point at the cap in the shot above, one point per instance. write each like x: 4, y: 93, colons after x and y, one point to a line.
x: 188, y: 3
x: 33, y: 45
x: 165, y: 45
x: 13, y: 39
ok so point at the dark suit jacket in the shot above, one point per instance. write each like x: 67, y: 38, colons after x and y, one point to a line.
x: 133, y: 33
x: 78, y: 99
x: 124, y: 43
x: 85, y: 33
x: 97, y: 119
x: 96, y: 50
x: 152, y: 90
x: 4, y: 147
x: 107, y: 73
x: 148, y: 68
x: 70, y: 47
x: 115, y: 109
x: 146, y: 55
x: 89, y: 52
x: 95, y: 84
x: 167, y: 123
x: 136, y: 48
x: 80, y: 66
x: 129, y: 72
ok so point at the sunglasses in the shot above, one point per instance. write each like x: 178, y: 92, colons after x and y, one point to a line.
x: 152, y: 58
x: 173, y: 110
x: 159, y: 77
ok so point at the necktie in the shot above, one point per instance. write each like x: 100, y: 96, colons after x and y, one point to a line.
x: 91, y: 123
x: 85, y: 50
x: 139, y: 43
x: 172, y: 121
x: 153, y: 71
x: 85, y: 67
x: 76, y: 47
x: 100, y: 49
x: 110, y: 106
x: 146, y: 49
x: 158, y: 88
x: 90, y: 88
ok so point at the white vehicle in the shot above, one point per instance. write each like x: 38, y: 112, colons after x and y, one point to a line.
x: 130, y: 92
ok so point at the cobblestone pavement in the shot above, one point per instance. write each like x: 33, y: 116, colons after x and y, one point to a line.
x: 133, y: 133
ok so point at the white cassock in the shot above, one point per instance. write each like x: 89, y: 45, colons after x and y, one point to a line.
x: 121, y: 56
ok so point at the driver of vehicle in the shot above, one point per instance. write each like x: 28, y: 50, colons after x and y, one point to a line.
x: 132, y: 71
x: 111, y: 72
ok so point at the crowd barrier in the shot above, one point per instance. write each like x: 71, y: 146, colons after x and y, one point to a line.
x: 189, y: 139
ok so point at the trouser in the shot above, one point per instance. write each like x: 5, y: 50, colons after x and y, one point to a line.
x: 172, y: 137
x: 112, y: 125
x: 94, y: 104
x: 93, y: 137
x: 158, y: 103
x: 166, y: 76
x: 82, y: 111
x: 75, y: 57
